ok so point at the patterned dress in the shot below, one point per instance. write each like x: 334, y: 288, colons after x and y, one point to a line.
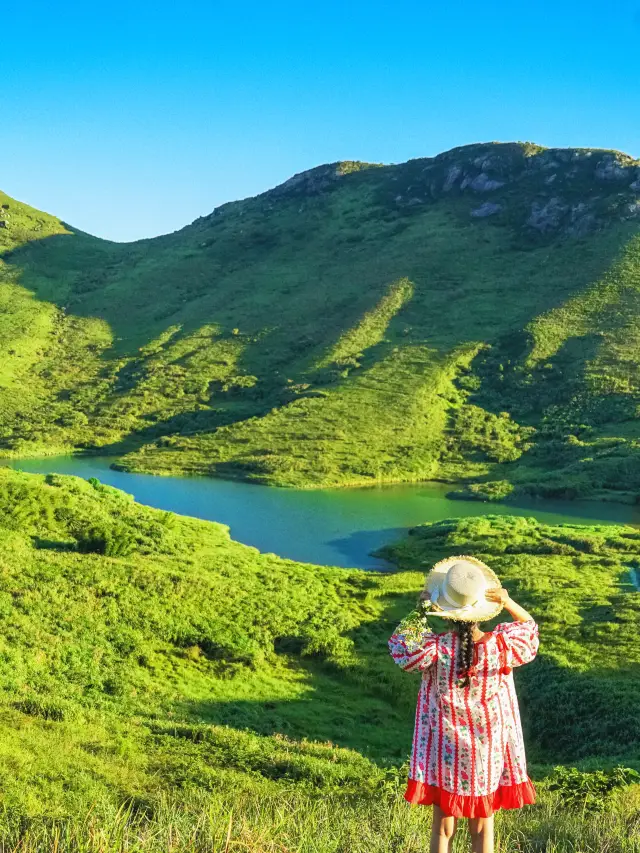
x: 468, y: 753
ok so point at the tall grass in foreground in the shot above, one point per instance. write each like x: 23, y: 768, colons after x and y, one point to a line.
x: 306, y: 823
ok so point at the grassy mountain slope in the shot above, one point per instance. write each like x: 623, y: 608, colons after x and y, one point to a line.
x: 471, y: 317
x: 162, y: 684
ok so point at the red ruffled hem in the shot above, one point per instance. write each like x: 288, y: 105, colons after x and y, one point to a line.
x: 462, y: 805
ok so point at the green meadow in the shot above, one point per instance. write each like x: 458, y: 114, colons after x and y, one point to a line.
x: 357, y: 324
x: 164, y: 688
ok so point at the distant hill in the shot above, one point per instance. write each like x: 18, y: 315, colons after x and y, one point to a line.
x: 473, y: 317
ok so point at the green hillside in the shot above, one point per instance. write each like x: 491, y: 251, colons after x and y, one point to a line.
x: 164, y: 687
x: 473, y: 317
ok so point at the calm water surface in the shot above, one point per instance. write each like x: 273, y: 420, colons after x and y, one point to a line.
x: 335, y: 527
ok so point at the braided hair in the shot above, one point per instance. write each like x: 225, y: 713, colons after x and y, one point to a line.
x: 464, y: 630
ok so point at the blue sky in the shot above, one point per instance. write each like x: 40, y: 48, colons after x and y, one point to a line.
x: 130, y: 119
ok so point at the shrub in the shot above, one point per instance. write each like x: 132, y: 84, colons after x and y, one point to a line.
x: 21, y: 507
x: 46, y: 708
x: 116, y: 541
x: 580, y: 789
x: 493, y: 490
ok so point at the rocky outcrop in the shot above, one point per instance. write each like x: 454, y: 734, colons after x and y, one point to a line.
x: 486, y: 209
x: 319, y: 179
x: 547, y: 216
x: 611, y: 169
x: 452, y: 176
x: 311, y: 181
x: 482, y: 183
x: 582, y: 220
x: 576, y: 220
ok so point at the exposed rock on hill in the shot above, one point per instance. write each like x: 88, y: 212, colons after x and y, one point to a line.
x: 547, y: 216
x: 317, y: 180
x: 488, y: 208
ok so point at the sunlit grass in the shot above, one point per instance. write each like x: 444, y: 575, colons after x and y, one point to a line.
x: 289, y: 820
x: 166, y: 688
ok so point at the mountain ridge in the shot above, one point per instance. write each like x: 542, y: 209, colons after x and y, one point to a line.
x: 611, y: 166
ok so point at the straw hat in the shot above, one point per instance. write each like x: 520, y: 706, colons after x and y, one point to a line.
x: 457, y: 587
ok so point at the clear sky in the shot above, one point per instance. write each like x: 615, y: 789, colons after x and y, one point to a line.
x: 130, y: 119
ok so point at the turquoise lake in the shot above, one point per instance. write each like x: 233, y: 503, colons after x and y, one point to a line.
x: 335, y: 527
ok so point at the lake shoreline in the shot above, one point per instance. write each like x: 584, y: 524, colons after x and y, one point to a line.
x: 331, y: 527
x: 522, y: 502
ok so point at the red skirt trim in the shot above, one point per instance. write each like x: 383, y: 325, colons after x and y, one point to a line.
x: 463, y: 805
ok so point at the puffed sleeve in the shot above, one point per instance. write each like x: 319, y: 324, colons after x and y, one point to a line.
x: 413, y: 645
x: 521, y: 641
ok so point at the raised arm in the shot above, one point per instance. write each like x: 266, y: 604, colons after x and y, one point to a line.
x: 413, y: 645
x: 520, y: 637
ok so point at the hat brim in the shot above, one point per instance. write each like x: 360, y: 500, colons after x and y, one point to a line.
x: 482, y: 611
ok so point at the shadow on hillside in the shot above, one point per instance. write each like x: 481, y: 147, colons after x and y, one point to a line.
x: 52, y: 544
x: 362, y: 542
x: 368, y: 706
x: 567, y: 715
x: 186, y: 424
x: 89, y: 266
x: 571, y: 715
x: 582, y: 510
x: 126, y: 285
x: 189, y: 424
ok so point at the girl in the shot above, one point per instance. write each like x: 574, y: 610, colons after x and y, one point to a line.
x: 468, y: 755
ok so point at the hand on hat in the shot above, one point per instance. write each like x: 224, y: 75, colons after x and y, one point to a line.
x: 498, y: 594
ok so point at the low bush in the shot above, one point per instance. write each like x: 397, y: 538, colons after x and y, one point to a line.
x: 590, y: 789
x: 115, y: 541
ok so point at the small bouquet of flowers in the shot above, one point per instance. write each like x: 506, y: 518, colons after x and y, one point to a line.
x: 416, y: 625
